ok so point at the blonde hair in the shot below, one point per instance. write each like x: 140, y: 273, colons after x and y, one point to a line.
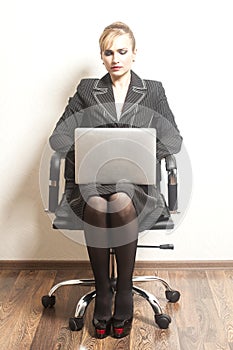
x: 112, y: 31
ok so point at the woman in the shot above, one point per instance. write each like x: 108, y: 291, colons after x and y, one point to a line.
x: 119, y: 99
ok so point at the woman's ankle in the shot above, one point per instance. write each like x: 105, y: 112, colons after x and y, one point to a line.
x: 103, y: 305
x: 123, y: 309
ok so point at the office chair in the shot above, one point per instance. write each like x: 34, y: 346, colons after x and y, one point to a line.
x: 164, y: 222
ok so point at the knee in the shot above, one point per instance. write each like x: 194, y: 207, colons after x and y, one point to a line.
x: 95, y: 212
x: 121, y: 204
x: 97, y: 204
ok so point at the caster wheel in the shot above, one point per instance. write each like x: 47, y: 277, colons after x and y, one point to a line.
x: 48, y: 301
x: 163, y: 321
x: 172, y: 295
x: 76, y: 323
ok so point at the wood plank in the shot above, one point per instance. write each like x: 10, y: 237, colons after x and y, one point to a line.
x: 56, y: 320
x: 21, y: 311
x: 7, y: 280
x: 204, y: 328
x: 221, y: 284
x: 145, y: 333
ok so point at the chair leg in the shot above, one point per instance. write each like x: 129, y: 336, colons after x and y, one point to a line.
x: 85, y: 282
x: 83, y: 303
x: 50, y: 299
x: 76, y: 323
x: 153, y: 301
x: 172, y: 295
x: 161, y: 319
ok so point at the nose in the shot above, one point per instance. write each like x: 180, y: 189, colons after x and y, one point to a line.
x: 115, y: 57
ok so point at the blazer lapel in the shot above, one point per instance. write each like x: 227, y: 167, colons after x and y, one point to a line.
x: 136, y: 92
x: 103, y: 95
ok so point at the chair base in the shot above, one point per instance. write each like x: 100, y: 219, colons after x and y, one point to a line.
x: 76, y: 323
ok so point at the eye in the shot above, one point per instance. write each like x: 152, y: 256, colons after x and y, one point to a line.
x: 108, y: 52
x: 123, y: 52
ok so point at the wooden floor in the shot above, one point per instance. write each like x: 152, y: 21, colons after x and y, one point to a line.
x: 201, y: 320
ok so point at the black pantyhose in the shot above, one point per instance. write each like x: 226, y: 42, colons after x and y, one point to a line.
x: 95, y: 229
x: 118, y: 213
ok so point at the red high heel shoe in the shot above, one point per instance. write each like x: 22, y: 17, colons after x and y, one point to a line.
x: 102, y: 327
x: 121, y: 328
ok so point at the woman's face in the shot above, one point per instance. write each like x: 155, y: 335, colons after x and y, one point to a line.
x: 118, y: 58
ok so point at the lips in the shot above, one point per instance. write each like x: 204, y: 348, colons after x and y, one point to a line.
x: 116, y: 67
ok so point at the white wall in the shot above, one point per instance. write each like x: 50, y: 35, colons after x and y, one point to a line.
x: 48, y: 46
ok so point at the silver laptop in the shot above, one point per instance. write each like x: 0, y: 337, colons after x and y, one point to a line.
x: 113, y: 155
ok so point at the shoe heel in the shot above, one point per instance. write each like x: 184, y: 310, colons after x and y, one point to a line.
x: 122, y: 328
x: 102, y: 328
x: 101, y: 333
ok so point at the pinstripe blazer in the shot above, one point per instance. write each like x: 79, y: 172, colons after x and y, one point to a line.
x: 93, y: 105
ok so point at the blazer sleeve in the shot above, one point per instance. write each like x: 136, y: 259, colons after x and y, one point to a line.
x: 62, y: 138
x: 169, y: 140
x: 162, y: 105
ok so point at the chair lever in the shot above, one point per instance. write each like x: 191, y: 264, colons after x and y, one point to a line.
x: 166, y: 246
x: 162, y: 246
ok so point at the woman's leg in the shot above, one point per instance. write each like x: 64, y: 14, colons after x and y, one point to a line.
x: 95, y: 229
x: 123, y: 219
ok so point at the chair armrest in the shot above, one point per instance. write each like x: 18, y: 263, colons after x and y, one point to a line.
x: 54, y: 180
x: 170, y: 162
x: 171, y: 168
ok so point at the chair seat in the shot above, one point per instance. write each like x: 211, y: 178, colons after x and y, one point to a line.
x: 66, y: 220
x: 66, y: 224
x: 163, y: 223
